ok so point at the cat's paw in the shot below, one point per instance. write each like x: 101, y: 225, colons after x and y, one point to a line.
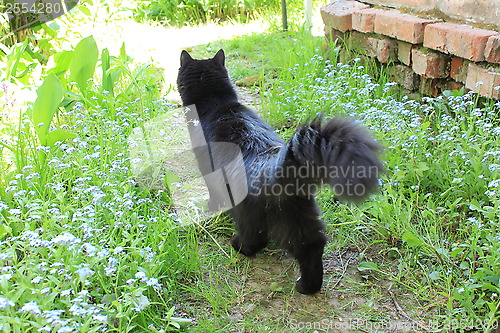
x: 245, y: 250
x: 308, y: 288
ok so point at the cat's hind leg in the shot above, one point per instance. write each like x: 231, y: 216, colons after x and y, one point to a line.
x: 299, y: 230
x: 251, y: 230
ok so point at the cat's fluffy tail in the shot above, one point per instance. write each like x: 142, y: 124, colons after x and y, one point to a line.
x: 338, y: 152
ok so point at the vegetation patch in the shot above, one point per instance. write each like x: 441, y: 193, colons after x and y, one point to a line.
x: 85, y: 248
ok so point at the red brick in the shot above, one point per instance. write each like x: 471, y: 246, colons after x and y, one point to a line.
x: 338, y: 14
x: 380, y: 47
x: 411, y: 28
x: 458, y: 69
x: 334, y: 35
x: 430, y: 64
x: 457, y: 39
x: 405, y: 77
x: 404, y: 52
x: 404, y: 27
x: 451, y: 85
x: 385, y: 49
x: 363, y: 43
x: 385, y: 23
x: 489, y: 77
x: 364, y: 20
x: 492, y: 49
x: 430, y: 86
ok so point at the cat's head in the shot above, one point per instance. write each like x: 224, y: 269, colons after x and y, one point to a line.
x: 203, y: 79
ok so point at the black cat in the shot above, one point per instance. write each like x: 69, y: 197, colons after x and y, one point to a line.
x: 282, y: 177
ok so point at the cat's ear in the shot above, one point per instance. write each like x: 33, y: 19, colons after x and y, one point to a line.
x: 220, y: 58
x: 185, y: 58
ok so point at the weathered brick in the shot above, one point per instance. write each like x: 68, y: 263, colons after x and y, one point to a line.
x: 385, y: 23
x: 404, y: 27
x: 430, y: 64
x: 359, y: 41
x: 338, y: 14
x: 404, y: 52
x: 430, y: 86
x: 450, y: 85
x: 385, y: 49
x: 411, y: 28
x: 380, y: 47
x: 334, y: 35
x: 483, y: 80
x: 492, y: 49
x: 364, y: 20
x: 457, y: 39
x: 405, y: 77
x: 458, y: 69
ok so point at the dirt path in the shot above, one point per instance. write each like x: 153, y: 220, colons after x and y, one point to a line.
x: 264, y: 299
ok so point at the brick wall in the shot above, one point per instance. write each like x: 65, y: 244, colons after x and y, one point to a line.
x: 485, y: 12
x: 428, y: 55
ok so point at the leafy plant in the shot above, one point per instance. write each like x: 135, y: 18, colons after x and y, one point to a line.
x: 49, y: 96
x: 184, y: 12
x: 83, y: 63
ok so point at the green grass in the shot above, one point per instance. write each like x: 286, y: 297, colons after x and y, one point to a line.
x: 85, y: 248
x: 438, y: 211
x: 191, y: 12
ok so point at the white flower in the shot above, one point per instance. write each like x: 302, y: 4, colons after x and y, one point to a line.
x: 37, y: 279
x: 65, y: 238
x: 494, y: 183
x: 90, y: 249
x: 118, y: 250
x: 84, y: 272
x: 109, y: 270
x: 102, y: 318
x: 5, y: 302
x: 31, y: 307
x: 67, y: 292
x: 65, y: 329
x: 5, y: 277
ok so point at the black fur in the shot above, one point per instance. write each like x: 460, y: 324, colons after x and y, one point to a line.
x: 318, y: 149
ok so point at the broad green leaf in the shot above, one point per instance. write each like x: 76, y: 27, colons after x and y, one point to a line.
x: 84, y: 61
x: 5, y: 230
x: 63, y: 62
x: 59, y: 135
x: 51, y: 29
x: 367, y: 266
x: 123, y: 53
x: 411, y: 239
x: 84, y: 10
x: 475, y: 205
x: 49, y: 95
x: 421, y: 167
x: 170, y: 178
x: 493, y: 279
x: 181, y: 322
x: 115, y: 73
